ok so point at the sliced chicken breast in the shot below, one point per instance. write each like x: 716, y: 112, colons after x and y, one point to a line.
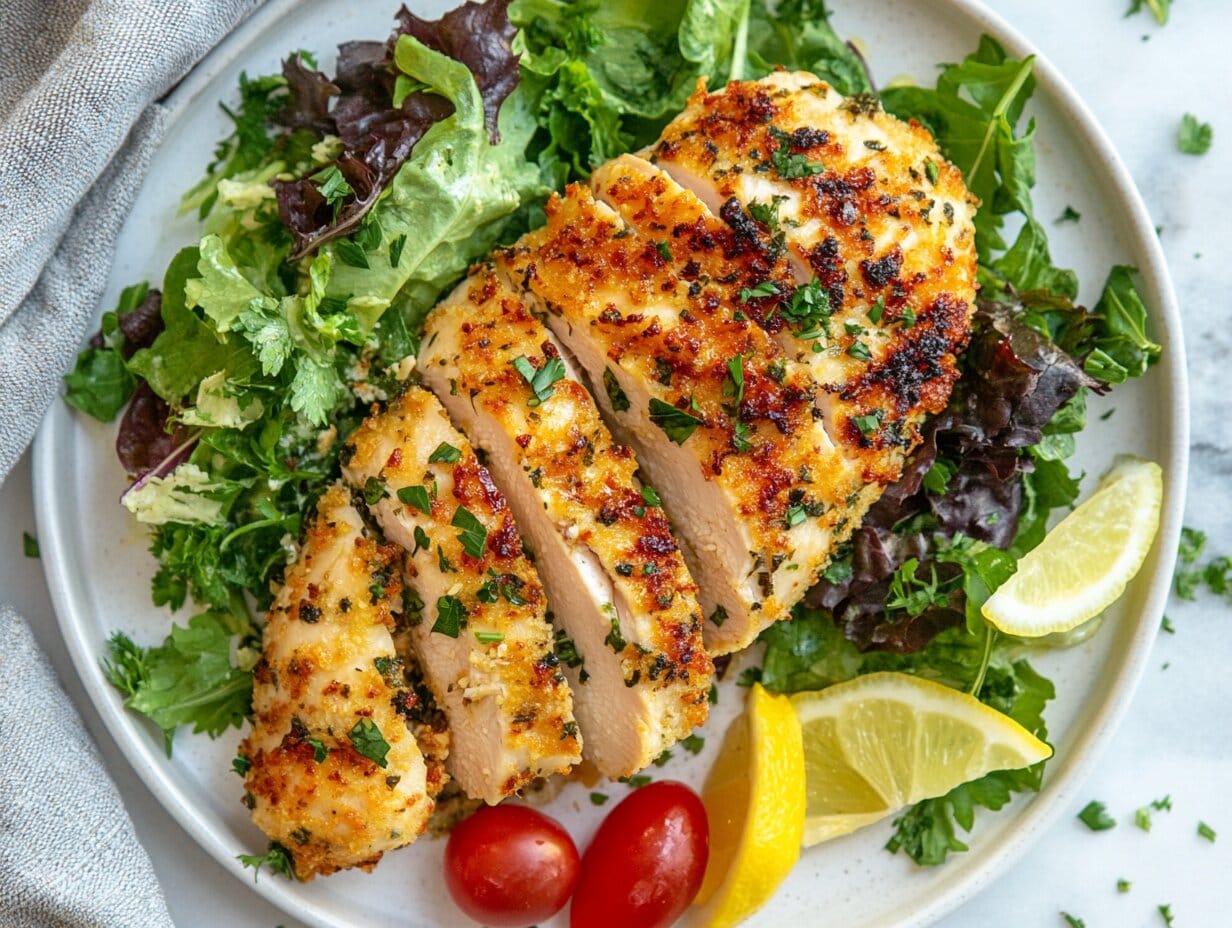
x: 477, y: 620
x: 877, y: 226
x: 723, y: 423
x: 335, y: 772
x: 628, y: 624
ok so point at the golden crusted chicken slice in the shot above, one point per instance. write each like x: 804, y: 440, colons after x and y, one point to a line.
x: 336, y: 775
x: 477, y: 626
x: 878, y: 227
x: 629, y: 626
x: 724, y: 425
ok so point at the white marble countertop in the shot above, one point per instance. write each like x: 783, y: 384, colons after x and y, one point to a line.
x: 1139, y: 79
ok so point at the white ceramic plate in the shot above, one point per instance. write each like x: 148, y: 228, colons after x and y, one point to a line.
x: 98, y: 569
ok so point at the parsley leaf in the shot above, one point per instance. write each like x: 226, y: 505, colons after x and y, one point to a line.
x: 278, y: 859
x: 615, y: 395
x: 679, y: 424
x: 473, y: 535
x: 367, y: 739
x: 1193, y: 137
x: 445, y: 453
x: 1095, y: 816
x: 450, y: 616
x: 418, y: 497
x: 29, y: 545
x: 1158, y: 8
x: 540, y: 379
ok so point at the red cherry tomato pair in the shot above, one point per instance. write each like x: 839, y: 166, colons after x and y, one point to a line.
x: 511, y: 866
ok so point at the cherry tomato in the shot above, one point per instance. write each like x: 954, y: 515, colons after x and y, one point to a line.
x: 646, y: 861
x: 510, y: 866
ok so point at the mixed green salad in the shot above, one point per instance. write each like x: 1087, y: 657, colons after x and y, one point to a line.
x: 341, y: 207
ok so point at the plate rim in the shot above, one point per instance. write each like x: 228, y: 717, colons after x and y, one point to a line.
x: 1066, y: 775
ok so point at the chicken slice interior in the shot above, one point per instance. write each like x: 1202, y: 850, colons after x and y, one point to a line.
x: 628, y: 624
x: 336, y: 775
x: 476, y: 620
x: 723, y: 423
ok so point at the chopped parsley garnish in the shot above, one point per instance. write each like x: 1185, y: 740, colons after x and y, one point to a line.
x: 1165, y: 624
x: 1123, y: 886
x: 764, y: 289
x: 374, y: 490
x: 1162, y: 805
x: 615, y: 395
x: 635, y: 782
x: 740, y: 437
x: 566, y: 650
x: 540, y: 379
x: 713, y: 696
x: 319, y: 750
x: 418, y: 497
x: 1165, y: 912
x: 1194, y: 138
x: 795, y: 516
x: 445, y: 453
x: 1142, y: 818
x: 650, y: 496
x: 662, y: 759
x: 719, y: 616
x: 501, y: 585
x: 1206, y: 831
x: 678, y: 424
x: 1073, y: 921
x: 450, y: 616
x: 931, y: 171
x: 29, y: 545
x: 859, y: 351
x: 791, y: 165
x: 422, y: 541
x: 473, y: 535
x: 734, y: 385
x: 598, y: 799
x: 869, y: 424
x: 241, y: 764
x: 808, y: 310
x: 367, y: 740
x: 664, y: 250
x: 693, y: 744
x: 489, y: 637
x: 1095, y: 816
x: 278, y: 859
x: 615, y: 640
x: 877, y: 310
x: 1069, y: 214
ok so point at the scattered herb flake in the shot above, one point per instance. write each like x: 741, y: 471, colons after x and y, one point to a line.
x: 1095, y: 816
x: 473, y: 535
x: 418, y: 497
x: 29, y: 545
x: 1206, y: 831
x: 540, y: 379
x: 598, y: 799
x: 678, y: 424
x: 367, y: 739
x: 693, y: 744
x: 445, y: 453
x: 1193, y: 137
x: 615, y: 395
x: 450, y: 616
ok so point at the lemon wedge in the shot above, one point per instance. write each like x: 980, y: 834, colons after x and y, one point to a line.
x: 878, y: 743
x: 754, y: 798
x: 1084, y: 563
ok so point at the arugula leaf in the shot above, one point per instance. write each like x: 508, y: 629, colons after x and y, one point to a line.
x: 1121, y: 348
x: 1193, y: 137
x: 187, y: 680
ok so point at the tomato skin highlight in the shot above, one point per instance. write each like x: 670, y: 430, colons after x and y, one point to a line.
x: 510, y: 866
x: 646, y: 862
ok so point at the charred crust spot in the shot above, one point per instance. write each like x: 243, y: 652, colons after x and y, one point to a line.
x: 885, y: 269
x: 309, y: 613
x: 505, y: 543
